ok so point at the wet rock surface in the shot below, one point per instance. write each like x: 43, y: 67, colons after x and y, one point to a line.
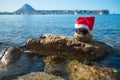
x: 55, y: 57
x: 75, y: 70
x: 25, y: 63
x: 10, y: 55
x: 78, y: 71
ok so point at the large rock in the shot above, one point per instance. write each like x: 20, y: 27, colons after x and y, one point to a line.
x: 79, y: 71
x: 14, y: 62
x: 67, y: 47
x: 75, y: 70
x: 64, y: 56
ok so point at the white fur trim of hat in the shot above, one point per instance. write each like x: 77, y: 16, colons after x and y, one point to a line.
x: 81, y: 26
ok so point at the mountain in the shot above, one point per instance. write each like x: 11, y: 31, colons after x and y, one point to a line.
x: 25, y: 9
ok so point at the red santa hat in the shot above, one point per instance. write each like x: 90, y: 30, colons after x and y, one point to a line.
x: 85, y: 22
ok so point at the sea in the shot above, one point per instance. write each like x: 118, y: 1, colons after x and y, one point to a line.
x: 15, y: 30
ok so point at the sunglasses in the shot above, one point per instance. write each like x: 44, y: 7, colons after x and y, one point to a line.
x: 82, y: 31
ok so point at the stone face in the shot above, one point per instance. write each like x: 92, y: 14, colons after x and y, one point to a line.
x: 67, y: 47
x: 10, y: 55
x: 84, y: 37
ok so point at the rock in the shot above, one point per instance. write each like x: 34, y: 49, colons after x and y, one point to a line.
x: 26, y: 63
x: 67, y: 47
x: 2, y: 67
x: 79, y: 71
x: 14, y: 69
x: 75, y: 70
x: 10, y: 55
x: 39, y: 76
x: 55, y: 65
x: 63, y: 56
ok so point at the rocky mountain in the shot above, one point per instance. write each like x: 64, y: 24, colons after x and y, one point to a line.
x: 25, y: 9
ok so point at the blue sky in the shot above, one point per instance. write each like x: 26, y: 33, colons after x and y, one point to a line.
x: 12, y: 5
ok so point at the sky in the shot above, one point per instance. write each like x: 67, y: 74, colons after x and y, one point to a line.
x: 12, y: 5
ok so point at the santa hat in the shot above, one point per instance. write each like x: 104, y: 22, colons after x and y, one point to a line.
x: 85, y: 22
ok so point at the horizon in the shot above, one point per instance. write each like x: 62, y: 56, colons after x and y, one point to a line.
x: 111, y: 5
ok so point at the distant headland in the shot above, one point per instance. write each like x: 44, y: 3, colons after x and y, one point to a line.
x: 28, y: 10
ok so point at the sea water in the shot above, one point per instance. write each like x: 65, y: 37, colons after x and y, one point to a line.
x: 17, y: 29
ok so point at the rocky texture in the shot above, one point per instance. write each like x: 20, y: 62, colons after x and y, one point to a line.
x: 64, y: 56
x: 75, y: 70
x: 39, y: 76
x: 13, y: 62
x: 67, y: 47
x: 69, y: 70
x: 14, y: 69
x: 78, y: 71
x: 56, y: 65
x: 10, y: 55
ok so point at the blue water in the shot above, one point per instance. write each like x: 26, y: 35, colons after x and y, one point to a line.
x: 17, y: 29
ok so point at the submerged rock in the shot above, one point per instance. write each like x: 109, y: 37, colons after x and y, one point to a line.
x: 67, y: 47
